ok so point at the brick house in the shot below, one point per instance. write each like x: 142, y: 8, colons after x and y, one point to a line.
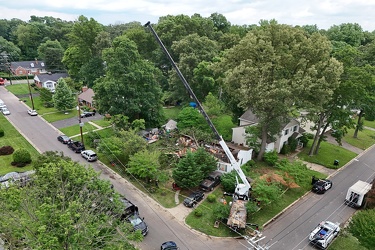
x: 86, y: 98
x: 28, y: 67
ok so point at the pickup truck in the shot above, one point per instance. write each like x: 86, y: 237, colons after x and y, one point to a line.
x: 211, y: 181
x: 76, y: 146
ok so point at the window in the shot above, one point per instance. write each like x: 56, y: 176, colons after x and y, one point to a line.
x: 286, y: 131
x: 295, y: 128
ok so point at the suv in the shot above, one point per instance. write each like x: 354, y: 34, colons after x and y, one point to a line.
x: 212, y: 180
x: 89, y: 155
x: 193, y: 199
x: 87, y: 114
x: 321, y: 186
x: 169, y: 245
x: 76, y: 146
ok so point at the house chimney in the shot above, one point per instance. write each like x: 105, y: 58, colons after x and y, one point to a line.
x: 36, y: 61
x: 84, y: 88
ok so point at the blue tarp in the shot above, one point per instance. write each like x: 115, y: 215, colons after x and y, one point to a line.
x: 193, y: 104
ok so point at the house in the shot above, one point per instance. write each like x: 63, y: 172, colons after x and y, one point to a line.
x: 28, y: 68
x: 86, y: 98
x: 48, y: 81
x: 291, y: 129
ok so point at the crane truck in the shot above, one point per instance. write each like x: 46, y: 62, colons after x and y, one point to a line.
x: 237, y: 216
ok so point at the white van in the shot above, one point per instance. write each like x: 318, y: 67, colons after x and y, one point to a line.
x: 356, y: 194
x: 89, y: 155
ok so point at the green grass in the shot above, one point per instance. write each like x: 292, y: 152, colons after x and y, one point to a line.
x: 20, y: 89
x: 171, y: 112
x: 346, y: 241
x: 365, y: 138
x: 327, y: 154
x: 370, y: 124
x: 75, y: 130
x: 17, y: 141
x: 102, y: 123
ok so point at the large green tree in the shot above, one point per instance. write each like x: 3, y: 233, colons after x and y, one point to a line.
x: 187, y: 173
x: 277, y: 69
x: 66, y: 207
x: 52, y: 53
x: 63, y: 98
x: 362, y: 227
x: 130, y: 86
x: 145, y: 165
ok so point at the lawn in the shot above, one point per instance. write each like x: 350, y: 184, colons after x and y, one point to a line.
x: 327, y: 154
x: 20, y: 89
x: 370, y: 124
x: 365, y: 138
x: 346, y: 241
x: 17, y: 141
x: 171, y: 112
x: 75, y: 130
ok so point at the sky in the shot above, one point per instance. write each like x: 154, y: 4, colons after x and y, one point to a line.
x: 323, y: 13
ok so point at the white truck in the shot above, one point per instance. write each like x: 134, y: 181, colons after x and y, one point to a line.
x: 237, y: 216
x: 356, y: 194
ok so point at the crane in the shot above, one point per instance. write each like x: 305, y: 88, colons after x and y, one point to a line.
x: 242, y: 189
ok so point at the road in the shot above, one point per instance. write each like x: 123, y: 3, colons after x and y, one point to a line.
x: 288, y: 231
x: 162, y: 224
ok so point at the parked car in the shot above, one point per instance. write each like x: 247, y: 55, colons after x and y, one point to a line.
x: 321, y: 186
x: 76, y: 146
x: 5, y: 111
x: 63, y: 139
x: 138, y: 223
x: 129, y: 208
x: 211, y: 181
x: 87, y: 114
x: 193, y: 199
x: 32, y: 112
x: 169, y: 245
x: 89, y: 155
x: 324, y: 234
x: 2, y: 104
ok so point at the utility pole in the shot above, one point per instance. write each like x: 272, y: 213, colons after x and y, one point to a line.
x: 79, y: 119
x: 31, y: 95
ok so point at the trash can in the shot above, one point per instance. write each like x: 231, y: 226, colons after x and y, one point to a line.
x: 336, y: 162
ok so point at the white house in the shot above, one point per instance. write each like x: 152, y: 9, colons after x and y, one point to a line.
x: 292, y: 129
x: 49, y: 81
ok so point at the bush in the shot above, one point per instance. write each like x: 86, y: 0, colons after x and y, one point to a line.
x: 270, y: 158
x: 285, y: 149
x: 6, y: 150
x: 228, y: 181
x: 1, y: 132
x: 292, y: 142
x: 211, y: 198
x: 198, y: 212
x: 221, y: 211
x: 21, y: 157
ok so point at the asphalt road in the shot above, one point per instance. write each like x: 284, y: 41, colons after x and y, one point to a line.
x: 288, y: 231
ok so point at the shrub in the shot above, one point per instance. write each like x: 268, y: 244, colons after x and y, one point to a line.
x: 285, y: 149
x: 228, y: 181
x: 211, y: 198
x: 6, y: 150
x: 1, y: 132
x: 270, y: 158
x: 21, y: 157
x: 251, y: 207
x: 221, y: 211
x: 292, y: 142
x: 198, y: 212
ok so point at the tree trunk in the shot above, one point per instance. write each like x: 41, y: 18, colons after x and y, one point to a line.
x: 317, y: 134
x: 263, y: 144
x: 321, y: 138
x: 360, y: 115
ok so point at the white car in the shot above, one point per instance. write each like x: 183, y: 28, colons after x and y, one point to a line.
x: 324, y: 234
x: 32, y: 112
x: 5, y: 111
x: 89, y: 155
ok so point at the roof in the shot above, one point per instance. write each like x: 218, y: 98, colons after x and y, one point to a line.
x: 170, y: 125
x: 87, y: 95
x: 28, y: 65
x: 50, y: 77
x: 249, y: 116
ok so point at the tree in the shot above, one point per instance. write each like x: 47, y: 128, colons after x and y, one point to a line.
x: 205, y: 161
x: 266, y: 192
x: 66, y: 207
x: 63, y: 98
x: 350, y: 33
x: 187, y: 173
x: 362, y: 227
x: 46, y: 97
x: 30, y: 36
x: 52, y: 53
x: 190, y: 117
x: 228, y: 181
x: 145, y: 165
x: 213, y: 106
x: 10, y: 49
x: 277, y: 69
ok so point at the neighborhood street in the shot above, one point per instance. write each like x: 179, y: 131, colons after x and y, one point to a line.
x: 289, y: 231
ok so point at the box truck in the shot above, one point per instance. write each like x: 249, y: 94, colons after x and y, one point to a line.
x: 355, y: 196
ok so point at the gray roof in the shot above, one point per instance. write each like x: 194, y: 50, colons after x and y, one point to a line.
x: 28, y: 65
x: 51, y: 77
x: 249, y: 116
x: 87, y: 95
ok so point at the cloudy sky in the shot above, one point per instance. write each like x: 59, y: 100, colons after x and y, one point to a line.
x: 323, y: 13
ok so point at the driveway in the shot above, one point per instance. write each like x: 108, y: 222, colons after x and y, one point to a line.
x: 74, y: 121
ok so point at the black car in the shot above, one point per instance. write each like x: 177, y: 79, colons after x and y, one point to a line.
x: 87, y: 114
x: 63, y: 139
x: 211, y: 181
x: 321, y: 186
x: 193, y: 199
x: 169, y: 245
x: 138, y: 223
x: 76, y: 146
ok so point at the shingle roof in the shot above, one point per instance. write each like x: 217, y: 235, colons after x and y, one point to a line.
x: 249, y: 116
x: 28, y: 65
x: 51, y: 77
x: 87, y: 95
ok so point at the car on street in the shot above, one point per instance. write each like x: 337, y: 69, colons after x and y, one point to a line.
x: 76, y: 146
x: 138, y: 223
x: 87, y: 114
x: 169, y: 245
x: 321, y: 186
x: 324, y: 234
x: 89, y: 155
x: 63, y: 139
x: 32, y: 112
x: 5, y: 111
x: 193, y: 199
